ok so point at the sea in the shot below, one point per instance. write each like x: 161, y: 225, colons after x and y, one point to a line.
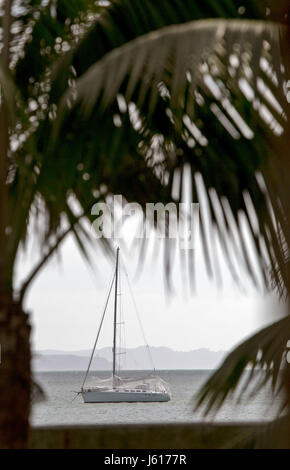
x: 63, y: 406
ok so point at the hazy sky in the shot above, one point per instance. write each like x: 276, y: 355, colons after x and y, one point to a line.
x: 67, y: 299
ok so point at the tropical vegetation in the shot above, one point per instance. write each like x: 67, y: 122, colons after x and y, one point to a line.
x: 119, y: 97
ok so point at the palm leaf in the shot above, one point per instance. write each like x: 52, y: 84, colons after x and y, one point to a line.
x: 190, y: 43
x: 264, y: 351
x: 112, y: 26
x: 167, y: 56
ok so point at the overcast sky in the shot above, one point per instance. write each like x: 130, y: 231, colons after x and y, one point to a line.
x: 67, y: 299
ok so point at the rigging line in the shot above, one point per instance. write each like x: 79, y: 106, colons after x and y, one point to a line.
x: 99, y: 330
x: 120, y: 323
x: 76, y: 395
x: 122, y: 328
x: 124, y: 340
x: 139, y: 318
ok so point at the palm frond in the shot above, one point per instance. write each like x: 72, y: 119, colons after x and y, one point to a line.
x: 108, y: 142
x: 188, y: 45
x: 171, y: 72
x: 122, y: 21
x: 264, y: 351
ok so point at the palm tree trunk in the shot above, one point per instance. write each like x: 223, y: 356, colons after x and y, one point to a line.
x: 14, y: 375
x: 14, y: 327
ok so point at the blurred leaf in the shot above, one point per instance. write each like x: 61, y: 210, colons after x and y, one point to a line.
x: 263, y: 351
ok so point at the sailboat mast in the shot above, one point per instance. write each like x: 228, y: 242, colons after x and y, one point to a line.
x: 115, y: 316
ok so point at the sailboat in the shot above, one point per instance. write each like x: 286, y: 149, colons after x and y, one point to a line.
x: 150, y: 388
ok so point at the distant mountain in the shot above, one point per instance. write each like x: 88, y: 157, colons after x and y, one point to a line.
x: 166, y: 358
x: 67, y: 361
x: 135, y: 358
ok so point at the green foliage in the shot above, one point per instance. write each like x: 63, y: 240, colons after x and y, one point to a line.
x: 168, y: 88
x: 121, y: 98
x: 264, y: 352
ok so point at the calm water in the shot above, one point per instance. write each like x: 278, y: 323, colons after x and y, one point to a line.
x: 58, y: 408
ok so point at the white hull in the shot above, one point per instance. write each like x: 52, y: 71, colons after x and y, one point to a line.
x: 117, y: 396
